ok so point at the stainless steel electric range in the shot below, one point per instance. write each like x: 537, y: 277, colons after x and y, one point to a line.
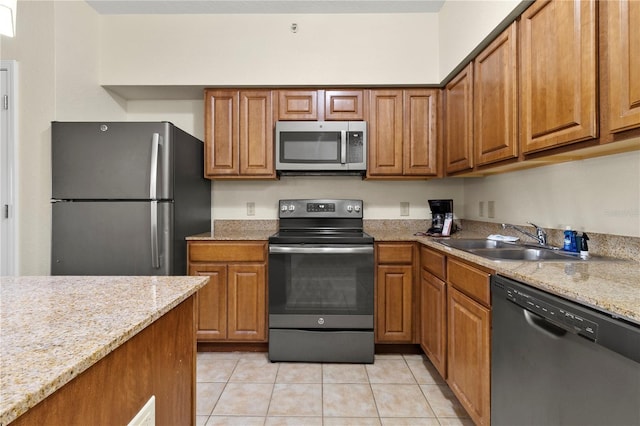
x: 321, y: 281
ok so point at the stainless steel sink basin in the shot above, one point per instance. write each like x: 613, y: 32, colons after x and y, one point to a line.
x: 526, y: 254
x: 471, y: 244
x: 506, y: 251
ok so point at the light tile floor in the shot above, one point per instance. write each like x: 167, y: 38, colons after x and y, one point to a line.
x: 243, y: 388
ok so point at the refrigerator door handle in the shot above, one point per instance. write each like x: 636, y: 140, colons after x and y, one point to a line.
x: 153, y: 171
x: 155, y: 251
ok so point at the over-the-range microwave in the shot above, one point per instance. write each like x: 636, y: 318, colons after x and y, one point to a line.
x: 321, y: 147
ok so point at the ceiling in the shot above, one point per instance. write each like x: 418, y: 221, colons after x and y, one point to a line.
x: 108, y: 7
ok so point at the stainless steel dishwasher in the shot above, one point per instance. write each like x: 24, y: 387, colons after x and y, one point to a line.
x: 556, y: 362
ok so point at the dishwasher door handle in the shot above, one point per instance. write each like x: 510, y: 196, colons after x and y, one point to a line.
x: 544, y: 326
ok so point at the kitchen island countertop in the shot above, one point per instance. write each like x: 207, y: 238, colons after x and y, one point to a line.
x: 54, y: 328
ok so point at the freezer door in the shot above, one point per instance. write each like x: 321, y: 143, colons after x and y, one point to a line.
x: 112, y: 238
x: 111, y: 160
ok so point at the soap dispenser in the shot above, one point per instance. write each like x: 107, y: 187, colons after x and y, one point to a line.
x: 568, y: 234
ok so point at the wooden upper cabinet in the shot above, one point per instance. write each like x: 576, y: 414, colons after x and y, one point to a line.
x: 256, y: 133
x: 420, y: 132
x: 221, y: 133
x: 403, y: 133
x: 623, y: 46
x: 321, y: 105
x: 344, y: 105
x: 239, y: 134
x: 385, y: 133
x: 298, y: 105
x: 558, y: 73
x: 458, y: 119
x: 496, y: 100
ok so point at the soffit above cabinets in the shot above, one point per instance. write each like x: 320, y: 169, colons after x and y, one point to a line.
x: 110, y: 7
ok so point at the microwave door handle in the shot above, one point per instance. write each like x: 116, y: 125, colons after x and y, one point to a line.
x: 343, y: 147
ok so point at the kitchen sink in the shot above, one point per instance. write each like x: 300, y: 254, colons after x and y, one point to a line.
x: 471, y: 244
x: 508, y: 251
x: 525, y: 254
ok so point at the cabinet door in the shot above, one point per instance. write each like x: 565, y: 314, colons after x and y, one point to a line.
x: 394, y: 304
x: 221, y: 133
x: 496, y: 99
x: 558, y: 74
x: 623, y: 39
x: 298, y: 105
x: 385, y: 133
x: 468, y: 359
x: 247, y: 302
x: 256, y: 133
x: 433, y: 320
x: 458, y: 119
x: 420, y: 134
x: 211, y: 302
x: 344, y: 105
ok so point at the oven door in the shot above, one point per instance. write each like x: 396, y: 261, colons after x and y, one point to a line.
x: 321, y: 286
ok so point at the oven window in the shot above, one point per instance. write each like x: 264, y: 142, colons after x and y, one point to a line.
x: 310, y: 147
x: 321, y: 284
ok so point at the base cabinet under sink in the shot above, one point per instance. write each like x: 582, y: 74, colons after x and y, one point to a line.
x: 455, y: 327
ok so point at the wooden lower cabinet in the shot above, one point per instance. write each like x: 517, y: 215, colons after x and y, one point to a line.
x: 394, y: 304
x: 394, y: 309
x: 232, y: 307
x: 159, y: 361
x: 455, y: 328
x: 469, y: 362
x: 433, y: 325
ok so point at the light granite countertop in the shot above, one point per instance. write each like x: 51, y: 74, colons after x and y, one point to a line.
x: 54, y: 328
x: 611, y: 286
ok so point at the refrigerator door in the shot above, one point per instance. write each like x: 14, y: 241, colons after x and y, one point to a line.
x: 111, y: 160
x: 112, y: 238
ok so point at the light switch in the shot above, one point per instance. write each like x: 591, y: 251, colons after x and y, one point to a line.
x: 251, y: 208
x: 491, y: 209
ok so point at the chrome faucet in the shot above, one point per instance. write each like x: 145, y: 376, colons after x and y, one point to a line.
x: 540, y: 237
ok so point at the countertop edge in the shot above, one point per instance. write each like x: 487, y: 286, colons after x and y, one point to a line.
x: 30, y: 400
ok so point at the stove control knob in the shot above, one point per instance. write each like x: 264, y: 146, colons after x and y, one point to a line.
x: 349, y: 208
x: 292, y: 207
x: 284, y: 208
x: 321, y: 321
x: 357, y: 208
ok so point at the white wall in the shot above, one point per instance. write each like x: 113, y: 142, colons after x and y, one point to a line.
x: 33, y: 48
x: 233, y: 50
x: 465, y: 23
x: 598, y: 195
x: 381, y: 198
x: 56, y: 46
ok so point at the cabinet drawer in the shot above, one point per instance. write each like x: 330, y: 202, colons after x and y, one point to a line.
x: 473, y: 282
x: 394, y: 253
x: 227, y: 251
x: 433, y: 262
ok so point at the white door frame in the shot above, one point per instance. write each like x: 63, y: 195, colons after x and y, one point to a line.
x: 8, y: 168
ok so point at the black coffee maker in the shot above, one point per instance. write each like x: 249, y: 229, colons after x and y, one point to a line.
x: 441, y: 217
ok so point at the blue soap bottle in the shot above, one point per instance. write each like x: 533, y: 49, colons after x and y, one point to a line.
x: 568, y: 234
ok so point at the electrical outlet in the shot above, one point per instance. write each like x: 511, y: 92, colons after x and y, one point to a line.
x: 481, y: 208
x: 491, y: 209
x: 404, y: 208
x: 251, y: 208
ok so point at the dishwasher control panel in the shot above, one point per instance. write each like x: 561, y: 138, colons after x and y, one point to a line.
x: 561, y: 316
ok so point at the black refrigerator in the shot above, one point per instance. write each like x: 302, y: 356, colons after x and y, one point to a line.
x: 124, y: 197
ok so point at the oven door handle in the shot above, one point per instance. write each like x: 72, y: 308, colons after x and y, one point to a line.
x: 280, y: 249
